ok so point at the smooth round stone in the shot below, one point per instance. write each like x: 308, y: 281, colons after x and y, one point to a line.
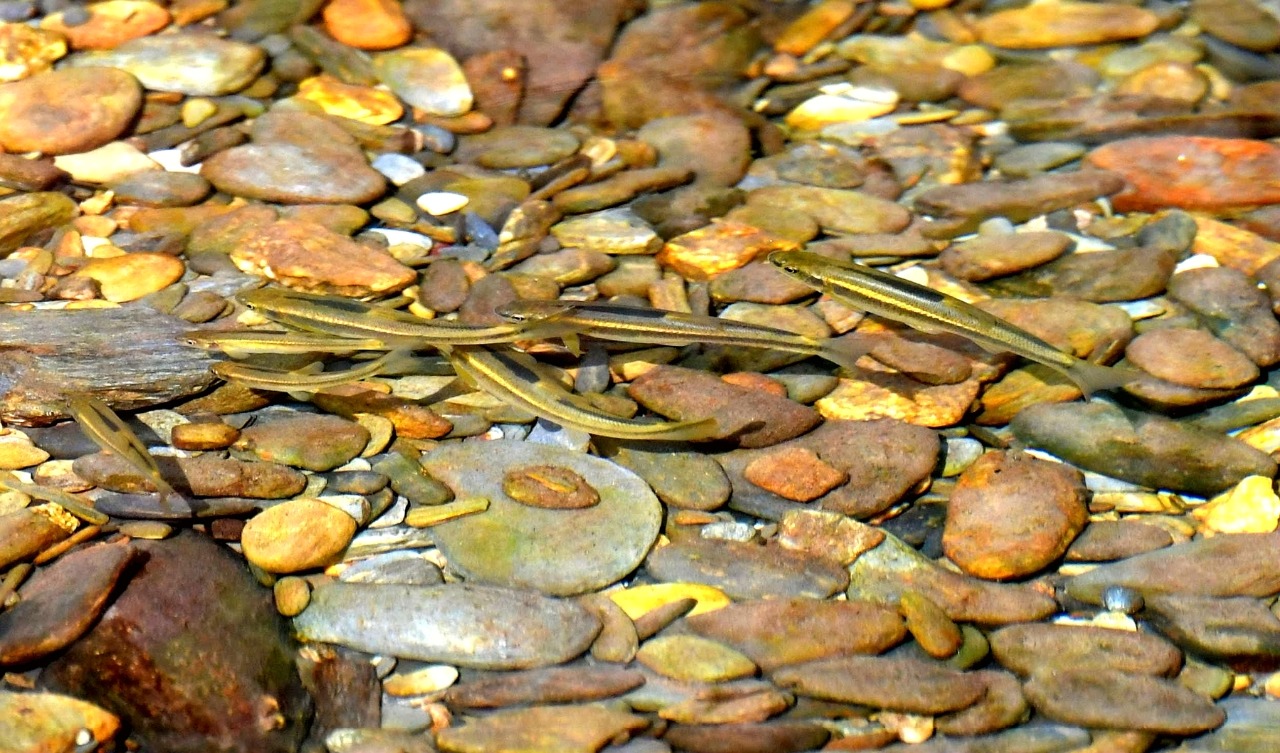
x: 16, y: 451
x: 367, y: 24
x: 747, y: 571
x: 484, y: 627
x: 132, y: 276
x: 1169, y: 80
x: 1025, y: 649
x: 837, y: 211
x: 292, y: 595
x: 1252, y: 726
x: 363, y: 103
x: 1243, y: 23
x: 293, y: 174
x: 1190, y: 172
x: 48, y: 721
x: 576, y: 728
x: 110, y: 23
x: 309, y: 256
x: 1000, y: 254
x: 1107, y: 540
x: 427, y: 78
x: 509, y: 147
x: 402, y: 567
x: 690, y: 658
x: 1031, y: 159
x: 67, y: 111
x: 559, y: 552
x: 570, y: 684
x: 1113, y: 699
x: 106, y: 164
x: 1001, y: 707
x: 1065, y: 24
x: 910, y: 685
x: 398, y: 168
x: 300, y: 534
x: 201, y: 65
x: 1192, y: 358
x: 212, y: 435
x: 1230, y: 301
x: 316, y: 442
x: 715, y: 146
x: 159, y: 188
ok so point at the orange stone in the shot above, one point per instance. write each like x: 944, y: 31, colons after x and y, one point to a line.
x: 362, y: 103
x: 717, y: 248
x: 110, y: 24
x: 368, y: 24
x: 795, y: 473
x: 754, y: 381
x: 1042, y: 25
x: 1191, y: 172
x: 813, y: 26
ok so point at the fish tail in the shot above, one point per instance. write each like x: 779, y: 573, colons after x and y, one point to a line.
x: 846, y: 350
x: 1092, y: 377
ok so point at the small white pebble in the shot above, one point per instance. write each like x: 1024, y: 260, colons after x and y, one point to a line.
x: 403, y: 237
x: 171, y: 160
x: 398, y: 168
x: 439, y: 203
x: 1196, y: 261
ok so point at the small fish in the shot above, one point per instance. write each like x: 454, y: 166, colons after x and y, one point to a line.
x: 928, y: 310
x: 311, y: 378
x: 111, y: 433
x: 81, y: 508
x: 344, y: 317
x: 514, y: 377
x: 242, y: 343
x: 655, y: 326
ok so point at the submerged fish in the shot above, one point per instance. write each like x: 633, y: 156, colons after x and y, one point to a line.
x: 111, y: 433
x: 343, y: 317
x: 515, y: 378
x: 241, y: 343
x: 656, y: 326
x: 928, y: 310
x: 311, y: 378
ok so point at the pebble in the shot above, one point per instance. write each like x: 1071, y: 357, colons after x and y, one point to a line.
x: 1191, y: 357
x: 132, y: 276
x: 784, y: 631
x: 61, y: 602
x: 212, y: 435
x: 243, y: 656
x: 26, y: 50
x: 111, y: 163
x: 796, y: 473
x: 1011, y: 515
x: 687, y: 394
x: 67, y: 111
x: 199, y: 65
x: 1189, y: 172
x: 765, y: 737
x: 16, y: 451
x: 159, y: 188
x: 516, y: 544
x: 1232, y: 306
x: 1238, y: 22
x: 301, y: 534
x: 362, y: 103
x: 613, y: 231
x: 573, y: 684
x: 1240, y: 631
x: 29, y: 531
x: 511, y: 147
x: 1026, y: 649
x: 1144, y: 449
x: 403, y: 567
x: 368, y: 24
x: 307, y: 256
x: 1250, y: 507
x: 1242, y: 564
x: 827, y: 534
x: 560, y: 728
x: 682, y: 479
x: 747, y: 571
x: 294, y: 159
x: 427, y: 78
x: 110, y: 23
x: 883, y: 459
x: 1251, y: 727
x: 1109, y: 698
x: 310, y: 441
x: 292, y: 595
x: 1065, y: 24
x: 966, y: 206
x: 909, y: 685
x: 1001, y: 707
x: 997, y: 255
x: 41, y: 721
x: 933, y: 630
x: 205, y: 475
x: 715, y: 146
x: 484, y: 627
x: 837, y: 211
x: 1108, y: 540
x: 637, y: 601
x: 691, y: 658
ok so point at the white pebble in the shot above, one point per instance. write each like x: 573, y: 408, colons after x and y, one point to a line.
x: 438, y: 203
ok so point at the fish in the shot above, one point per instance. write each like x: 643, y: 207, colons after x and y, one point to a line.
x: 311, y: 378
x: 515, y: 378
x: 111, y: 433
x: 243, y: 343
x: 606, y: 321
x: 77, y: 506
x: 928, y: 310
x: 344, y: 317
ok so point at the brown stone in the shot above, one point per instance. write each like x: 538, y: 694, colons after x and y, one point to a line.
x: 549, y: 487
x: 1107, y: 540
x: 67, y: 111
x: 909, y: 685
x: 747, y: 571
x: 796, y: 473
x: 110, y: 23
x: 1192, y: 358
x: 720, y: 247
x: 308, y: 256
x: 1026, y: 649
x: 1065, y: 24
x: 989, y: 256
x: 550, y: 685
x: 367, y: 24
x: 1002, y: 706
x: 1113, y: 699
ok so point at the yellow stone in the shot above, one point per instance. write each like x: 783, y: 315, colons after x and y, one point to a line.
x: 430, y: 515
x: 292, y: 595
x: 132, y: 276
x: 824, y: 110
x: 1251, y: 506
x: 17, y: 451
x: 26, y: 51
x: 425, y: 681
x: 892, y: 395
x: 48, y: 721
x: 106, y: 164
x: 301, y: 534
x: 363, y: 103
x: 197, y: 110
x: 717, y: 248
x: 692, y: 658
x: 640, y: 600
x: 1232, y: 246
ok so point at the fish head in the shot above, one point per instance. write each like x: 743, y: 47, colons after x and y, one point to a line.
x: 795, y: 264
x: 523, y: 312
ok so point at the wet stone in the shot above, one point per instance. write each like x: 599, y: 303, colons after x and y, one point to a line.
x: 307, y: 256
x: 718, y: 248
x: 837, y: 211
x: 1025, y: 649
x: 828, y: 534
x: 765, y: 737
x: 61, y: 602
x: 549, y: 487
x: 109, y: 23
x: 796, y: 473
x: 1039, y: 738
x: 1144, y: 449
x: 682, y: 479
x: 510, y: 147
x: 1008, y: 83
x: 881, y: 575
x: 196, y: 64
x: 1002, y: 706
x: 759, y: 282
x: 301, y: 534
x: 131, y: 276
x: 295, y: 158
x: 67, y: 111
x: 1190, y: 172
x: 715, y: 146
x: 1101, y: 276
x: 1031, y: 159
x: 25, y: 533
x: 312, y: 442
x: 541, y: 729
x: 368, y: 24
x: 778, y: 632
x: 1231, y: 306
x: 427, y: 78
x: 556, y: 551
x: 213, y: 435
x: 1065, y: 24
x: 1011, y: 515
x: 1252, y: 726
x: 935, y: 632
x: 686, y: 394
x: 1242, y: 23
x: 26, y: 51
x: 747, y: 571
x: 1241, y: 564
x: 203, y: 475
x: 182, y: 695
x: 1113, y: 699
x: 1192, y: 358
x: 884, y: 459
x: 691, y: 658
x: 1018, y: 200
x: 1240, y: 631
x: 572, y: 266
x: 909, y: 685
x: 484, y: 627
x: 996, y: 255
x: 1108, y: 540
x: 551, y: 685
x: 400, y: 567
x: 161, y: 189
x: 39, y: 721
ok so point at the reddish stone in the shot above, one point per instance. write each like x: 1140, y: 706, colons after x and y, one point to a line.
x: 1191, y: 172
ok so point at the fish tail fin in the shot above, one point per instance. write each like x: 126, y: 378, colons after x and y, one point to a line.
x: 399, y: 361
x: 1092, y: 377
x: 845, y: 351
